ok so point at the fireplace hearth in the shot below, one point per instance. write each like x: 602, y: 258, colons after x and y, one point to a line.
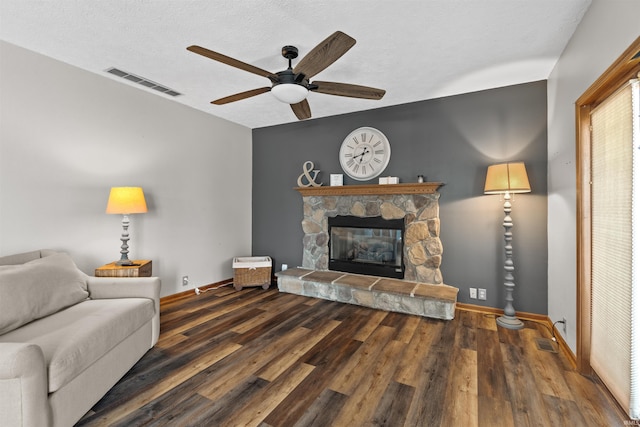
x: 372, y: 246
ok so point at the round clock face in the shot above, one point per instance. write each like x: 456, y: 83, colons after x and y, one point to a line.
x: 364, y: 153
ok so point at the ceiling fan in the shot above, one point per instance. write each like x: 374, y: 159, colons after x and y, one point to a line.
x: 292, y: 85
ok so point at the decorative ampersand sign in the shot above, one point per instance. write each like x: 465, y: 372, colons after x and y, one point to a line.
x: 306, y: 169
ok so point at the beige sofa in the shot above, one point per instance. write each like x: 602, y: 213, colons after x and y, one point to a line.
x: 66, y: 338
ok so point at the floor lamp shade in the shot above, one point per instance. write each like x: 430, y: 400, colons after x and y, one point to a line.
x: 503, y: 177
x: 507, y: 178
x: 125, y: 201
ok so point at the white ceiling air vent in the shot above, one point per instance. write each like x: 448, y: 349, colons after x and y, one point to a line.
x: 142, y: 81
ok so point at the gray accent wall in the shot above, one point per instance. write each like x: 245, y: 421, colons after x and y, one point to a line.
x: 450, y: 140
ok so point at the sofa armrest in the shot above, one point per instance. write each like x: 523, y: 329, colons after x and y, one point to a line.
x: 123, y: 287
x: 128, y: 287
x: 23, y: 385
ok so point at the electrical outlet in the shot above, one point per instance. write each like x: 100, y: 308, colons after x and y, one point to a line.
x: 482, y: 294
x: 564, y: 325
x: 473, y: 293
x: 185, y: 280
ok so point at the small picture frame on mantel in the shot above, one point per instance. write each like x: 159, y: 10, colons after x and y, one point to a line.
x: 383, y: 180
x: 337, y: 180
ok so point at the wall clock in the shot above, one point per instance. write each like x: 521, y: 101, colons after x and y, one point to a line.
x: 365, y: 153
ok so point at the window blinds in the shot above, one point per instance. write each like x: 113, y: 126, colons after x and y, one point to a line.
x: 615, y: 194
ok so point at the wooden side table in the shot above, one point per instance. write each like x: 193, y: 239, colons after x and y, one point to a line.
x: 141, y: 268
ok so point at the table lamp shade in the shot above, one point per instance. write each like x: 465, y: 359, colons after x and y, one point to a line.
x: 511, y: 177
x: 126, y: 200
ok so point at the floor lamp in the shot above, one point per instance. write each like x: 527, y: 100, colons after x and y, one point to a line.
x: 125, y: 201
x: 508, y: 178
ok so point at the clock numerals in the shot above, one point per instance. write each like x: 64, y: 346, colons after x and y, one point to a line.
x: 363, y: 138
x: 356, y: 140
x: 377, y: 160
x: 362, y: 169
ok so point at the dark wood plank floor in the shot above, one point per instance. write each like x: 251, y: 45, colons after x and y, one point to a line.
x: 261, y: 358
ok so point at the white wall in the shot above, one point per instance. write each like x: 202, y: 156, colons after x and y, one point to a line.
x: 67, y: 136
x: 607, y: 29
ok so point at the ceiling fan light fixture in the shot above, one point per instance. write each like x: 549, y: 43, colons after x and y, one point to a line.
x: 292, y: 86
x: 291, y: 93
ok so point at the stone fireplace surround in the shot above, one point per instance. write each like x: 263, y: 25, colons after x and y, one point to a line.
x: 416, y: 203
x: 421, y: 292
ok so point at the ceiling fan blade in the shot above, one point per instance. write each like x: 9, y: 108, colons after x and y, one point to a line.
x: 241, y: 95
x: 302, y: 110
x: 345, y: 89
x: 232, y: 62
x: 324, y: 54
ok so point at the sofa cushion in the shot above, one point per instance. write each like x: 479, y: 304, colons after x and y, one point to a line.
x: 20, y: 258
x: 75, y: 338
x: 38, y: 288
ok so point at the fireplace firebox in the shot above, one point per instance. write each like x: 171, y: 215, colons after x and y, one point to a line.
x: 371, y: 246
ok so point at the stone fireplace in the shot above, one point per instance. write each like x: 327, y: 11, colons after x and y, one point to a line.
x: 415, y: 204
x: 415, y: 208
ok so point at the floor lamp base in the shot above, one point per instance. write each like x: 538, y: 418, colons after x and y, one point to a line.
x: 509, y: 322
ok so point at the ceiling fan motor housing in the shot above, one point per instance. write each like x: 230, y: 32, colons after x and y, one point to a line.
x: 289, y: 77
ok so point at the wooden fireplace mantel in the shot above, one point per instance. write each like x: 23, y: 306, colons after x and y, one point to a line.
x: 369, y: 190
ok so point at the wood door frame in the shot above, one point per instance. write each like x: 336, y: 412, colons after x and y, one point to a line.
x: 623, y: 69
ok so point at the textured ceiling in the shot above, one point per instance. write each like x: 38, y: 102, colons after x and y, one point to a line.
x: 415, y: 50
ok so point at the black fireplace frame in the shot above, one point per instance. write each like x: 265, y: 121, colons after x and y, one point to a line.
x: 374, y: 269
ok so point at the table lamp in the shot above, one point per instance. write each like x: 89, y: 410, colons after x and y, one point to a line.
x: 126, y: 201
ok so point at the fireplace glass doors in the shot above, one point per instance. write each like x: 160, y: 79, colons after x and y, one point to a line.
x: 366, y: 246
